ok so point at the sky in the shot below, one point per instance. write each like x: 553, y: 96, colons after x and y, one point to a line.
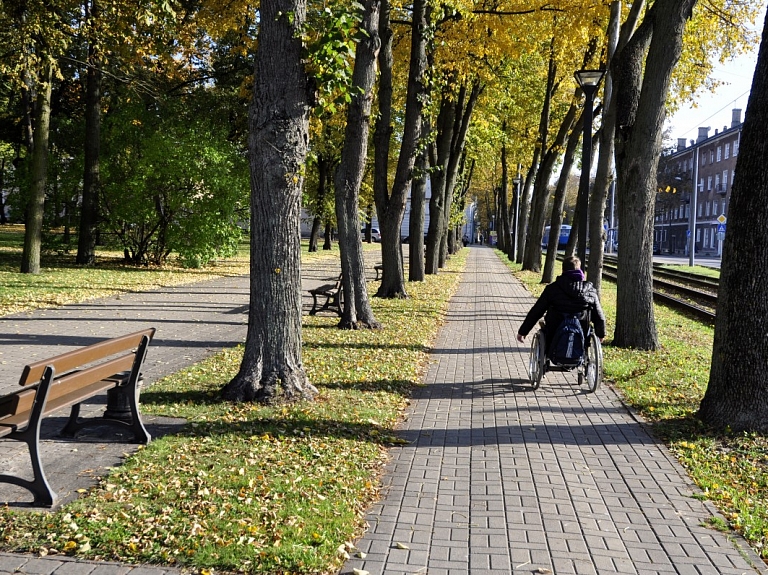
x: 714, y: 109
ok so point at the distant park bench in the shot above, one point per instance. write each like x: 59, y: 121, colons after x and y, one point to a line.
x: 327, y: 297
x: 379, y: 269
x: 67, y: 380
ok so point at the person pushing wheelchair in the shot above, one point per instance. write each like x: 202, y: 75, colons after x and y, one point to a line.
x: 569, y: 294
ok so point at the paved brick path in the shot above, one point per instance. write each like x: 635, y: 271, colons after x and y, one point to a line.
x: 500, y: 479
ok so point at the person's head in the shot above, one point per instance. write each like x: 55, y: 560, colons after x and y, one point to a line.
x: 571, y: 263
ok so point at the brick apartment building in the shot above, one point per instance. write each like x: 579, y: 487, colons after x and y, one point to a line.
x: 705, y: 165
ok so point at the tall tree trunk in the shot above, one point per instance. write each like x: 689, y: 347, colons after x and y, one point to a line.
x: 556, y: 220
x: 317, y: 223
x: 463, y: 115
x: 655, y: 47
x: 89, y: 213
x: 525, y: 204
x: 357, y: 310
x: 390, y: 207
x: 504, y: 238
x: 416, y: 222
x: 446, y: 154
x: 328, y: 239
x: 3, y: 217
x: 532, y: 259
x: 439, y: 152
x: 551, y: 153
x: 30, y: 257
x: 272, y: 370
x: 737, y: 393
x: 603, y: 175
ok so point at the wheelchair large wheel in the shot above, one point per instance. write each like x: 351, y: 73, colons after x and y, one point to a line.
x: 593, y: 365
x: 536, y: 360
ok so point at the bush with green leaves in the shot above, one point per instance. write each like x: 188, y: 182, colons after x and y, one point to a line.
x: 174, y: 184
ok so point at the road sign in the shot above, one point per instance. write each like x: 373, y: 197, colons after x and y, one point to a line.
x: 721, y: 219
x: 720, y: 228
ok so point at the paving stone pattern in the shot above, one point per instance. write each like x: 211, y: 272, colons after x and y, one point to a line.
x: 498, y: 478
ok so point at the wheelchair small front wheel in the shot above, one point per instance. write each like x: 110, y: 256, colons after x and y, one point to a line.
x: 593, y: 367
x: 536, y: 360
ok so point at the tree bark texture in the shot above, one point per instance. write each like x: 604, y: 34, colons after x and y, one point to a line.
x: 89, y: 213
x: 525, y: 204
x: 737, y: 393
x: 390, y: 207
x: 356, y: 310
x: 556, y: 221
x: 463, y: 116
x: 416, y: 222
x: 323, y: 169
x: 603, y: 174
x: 439, y: 152
x: 532, y: 260
x: 272, y: 370
x: 504, y: 237
x: 640, y: 120
x: 30, y: 257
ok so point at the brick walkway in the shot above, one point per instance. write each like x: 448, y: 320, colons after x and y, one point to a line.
x: 497, y: 478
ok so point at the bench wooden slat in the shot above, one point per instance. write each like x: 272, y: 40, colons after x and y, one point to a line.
x: 66, y: 381
x: 78, y: 357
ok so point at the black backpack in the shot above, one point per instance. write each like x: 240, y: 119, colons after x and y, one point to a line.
x: 568, y: 342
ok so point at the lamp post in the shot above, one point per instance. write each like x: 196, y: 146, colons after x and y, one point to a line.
x: 588, y: 81
x: 693, y: 206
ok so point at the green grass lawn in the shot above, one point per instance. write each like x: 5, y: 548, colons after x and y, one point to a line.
x: 666, y: 388
x: 253, y: 488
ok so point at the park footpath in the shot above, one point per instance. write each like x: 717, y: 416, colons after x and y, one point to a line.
x: 494, y: 477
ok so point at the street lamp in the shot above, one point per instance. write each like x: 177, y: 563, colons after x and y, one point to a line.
x: 588, y: 81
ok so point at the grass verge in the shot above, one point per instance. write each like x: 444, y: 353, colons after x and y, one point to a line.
x: 251, y: 488
x: 61, y: 281
x: 666, y: 388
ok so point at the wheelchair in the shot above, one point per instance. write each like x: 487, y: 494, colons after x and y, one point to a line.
x: 589, y: 366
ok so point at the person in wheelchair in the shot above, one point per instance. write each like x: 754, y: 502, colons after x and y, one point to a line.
x: 569, y: 294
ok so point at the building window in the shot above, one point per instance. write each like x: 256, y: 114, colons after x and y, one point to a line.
x: 701, y: 209
x: 707, y: 209
x: 725, y: 180
x: 706, y: 236
x: 727, y: 151
x: 709, y: 182
x: 735, y: 147
x: 701, y: 185
x: 711, y: 156
x: 715, y: 207
x: 719, y: 152
x: 717, y: 182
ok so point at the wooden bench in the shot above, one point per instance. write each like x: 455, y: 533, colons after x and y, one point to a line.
x: 67, y: 380
x: 379, y: 269
x: 332, y: 296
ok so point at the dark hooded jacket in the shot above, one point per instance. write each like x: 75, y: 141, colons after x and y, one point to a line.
x: 568, y: 294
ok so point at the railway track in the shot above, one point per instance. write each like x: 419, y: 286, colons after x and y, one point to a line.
x: 692, y: 293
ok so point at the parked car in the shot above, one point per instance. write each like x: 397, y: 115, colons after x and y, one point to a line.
x: 375, y: 234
